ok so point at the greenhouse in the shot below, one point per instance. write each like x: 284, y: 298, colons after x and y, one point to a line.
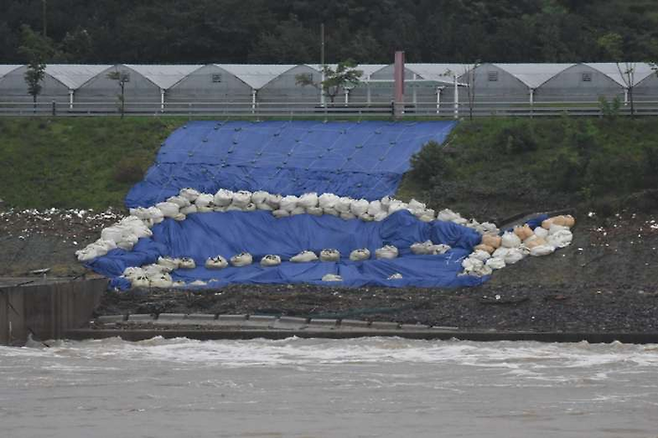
x: 243, y: 88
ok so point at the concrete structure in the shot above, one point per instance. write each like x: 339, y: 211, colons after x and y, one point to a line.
x: 46, y: 309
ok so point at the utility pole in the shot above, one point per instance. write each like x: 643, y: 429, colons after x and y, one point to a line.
x: 322, y: 78
x: 45, y: 22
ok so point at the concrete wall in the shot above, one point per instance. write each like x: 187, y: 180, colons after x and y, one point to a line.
x: 47, y: 310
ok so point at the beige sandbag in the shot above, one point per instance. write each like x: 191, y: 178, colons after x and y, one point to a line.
x: 570, y: 221
x: 523, y: 232
x: 547, y: 223
x: 492, y: 241
x: 483, y: 247
x: 533, y: 243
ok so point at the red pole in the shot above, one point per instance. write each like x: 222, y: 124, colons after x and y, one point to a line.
x: 398, y: 102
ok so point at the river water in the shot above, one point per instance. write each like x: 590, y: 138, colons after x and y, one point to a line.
x: 328, y: 388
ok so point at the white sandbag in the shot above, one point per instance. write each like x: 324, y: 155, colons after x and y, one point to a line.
x: 487, y: 228
x: 274, y: 201
x: 259, y: 197
x: 426, y: 218
x: 155, y: 270
x: 219, y: 209
x: 332, y: 278
x: 329, y: 255
x: 374, y: 208
x: 189, y: 210
x: 359, y: 207
x: 189, y: 194
x: 387, y: 252
x: 359, y: 255
x: 304, y: 257
x: 495, y: 263
x: 556, y: 228
x: 460, y: 221
x: 327, y: 200
x: 241, y: 199
x: 127, y: 242
x: 113, y: 233
x: 510, y: 240
x: 168, y: 209
x: 180, y: 217
x: 365, y: 217
x: 289, y: 203
x: 470, y: 264
x: 242, y: 259
x: 96, y: 249
x: 297, y: 211
x: 169, y: 263
x: 396, y: 206
x: 422, y: 248
x: 141, y: 213
x: 386, y: 202
x: 270, y: 260
x: 381, y: 216
x: 481, y: 255
x: 208, y: 209
x: 396, y: 276
x: 280, y: 213
x: 448, y: 215
x: 250, y: 207
x: 331, y: 211
x: 223, y: 198
x: 415, y: 206
x: 439, y: 249
x: 541, y: 232
x: 178, y: 284
x: 198, y: 283
x: 204, y: 200
x: 542, y: 250
x: 343, y: 204
x: 162, y: 281
x: 264, y: 206
x: 315, y: 211
x: 133, y: 272
x: 308, y: 200
x: 347, y: 216
x: 501, y: 253
x: 560, y: 239
x: 514, y: 255
x: 216, y: 263
x: 140, y: 281
x: 181, y: 201
x: 187, y: 263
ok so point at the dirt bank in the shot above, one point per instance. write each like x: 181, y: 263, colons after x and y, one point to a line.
x: 605, y: 281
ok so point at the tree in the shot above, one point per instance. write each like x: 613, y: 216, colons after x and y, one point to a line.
x: 36, y: 49
x: 121, y: 77
x: 345, y: 76
x: 469, y: 76
x: 613, y: 44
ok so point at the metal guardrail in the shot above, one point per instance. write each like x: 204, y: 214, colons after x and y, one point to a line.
x: 311, y: 109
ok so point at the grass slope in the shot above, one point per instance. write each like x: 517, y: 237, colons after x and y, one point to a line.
x: 76, y: 162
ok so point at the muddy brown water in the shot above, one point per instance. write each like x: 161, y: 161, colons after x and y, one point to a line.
x: 328, y: 388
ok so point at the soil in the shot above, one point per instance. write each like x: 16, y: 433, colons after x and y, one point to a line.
x: 606, y: 281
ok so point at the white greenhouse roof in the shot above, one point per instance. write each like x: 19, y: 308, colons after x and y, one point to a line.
x: 534, y: 75
x: 610, y: 69
x: 8, y: 68
x: 440, y: 72
x: 256, y: 75
x: 74, y: 75
x: 163, y: 75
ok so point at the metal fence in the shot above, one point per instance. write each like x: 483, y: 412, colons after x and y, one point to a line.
x: 307, y: 109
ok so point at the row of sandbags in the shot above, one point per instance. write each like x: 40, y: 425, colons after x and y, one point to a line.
x: 497, y: 252
x: 123, y: 235
x: 158, y: 275
x: 190, y: 201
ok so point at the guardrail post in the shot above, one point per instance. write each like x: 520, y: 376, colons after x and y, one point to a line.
x: 54, y: 110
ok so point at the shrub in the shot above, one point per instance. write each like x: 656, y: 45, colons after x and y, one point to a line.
x: 517, y: 138
x: 129, y: 170
x: 430, y: 162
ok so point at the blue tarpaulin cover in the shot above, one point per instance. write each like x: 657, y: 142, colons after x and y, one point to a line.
x: 361, y: 160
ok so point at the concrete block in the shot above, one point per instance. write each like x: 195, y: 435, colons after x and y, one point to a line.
x: 232, y: 319
x: 445, y: 328
x: 140, y: 317
x: 385, y: 326
x: 414, y: 327
x: 171, y: 318
x: 323, y: 323
x: 201, y: 317
x: 259, y: 319
x: 353, y: 323
x: 106, y: 319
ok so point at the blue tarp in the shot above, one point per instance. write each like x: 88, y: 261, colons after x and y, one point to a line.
x: 361, y: 160
x: 209, y: 234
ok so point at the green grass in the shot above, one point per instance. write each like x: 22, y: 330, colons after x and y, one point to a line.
x: 76, y: 163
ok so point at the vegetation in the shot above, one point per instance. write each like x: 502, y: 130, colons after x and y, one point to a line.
x: 501, y: 166
x: 345, y: 76
x: 76, y: 163
x: 121, y: 77
x: 240, y: 31
x: 37, y: 50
